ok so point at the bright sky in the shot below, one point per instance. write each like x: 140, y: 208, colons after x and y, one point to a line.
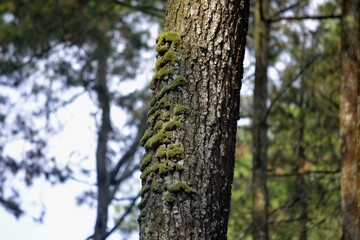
x: 63, y: 219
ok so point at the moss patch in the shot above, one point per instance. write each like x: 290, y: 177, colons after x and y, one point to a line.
x: 156, y: 185
x: 145, y: 161
x: 169, y: 57
x: 172, y: 125
x: 180, y: 110
x: 175, y: 152
x: 166, y: 40
x: 169, y: 198
x: 182, y: 187
x: 158, y: 126
x: 162, y: 137
x: 162, y: 72
x: 146, y: 136
x: 160, y: 152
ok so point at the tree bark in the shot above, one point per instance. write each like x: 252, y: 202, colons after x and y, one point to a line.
x: 259, y: 133
x: 101, y: 150
x: 348, y: 117
x: 187, y: 169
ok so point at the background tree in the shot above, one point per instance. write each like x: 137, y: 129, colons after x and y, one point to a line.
x: 187, y: 169
x: 54, y: 53
x: 259, y: 122
x: 350, y: 66
x: 302, y: 108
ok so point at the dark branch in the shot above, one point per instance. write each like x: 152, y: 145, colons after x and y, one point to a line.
x: 287, y: 8
x: 128, y: 210
x: 131, y: 152
x: 300, y: 18
x: 147, y: 9
x: 293, y: 174
x: 288, y: 85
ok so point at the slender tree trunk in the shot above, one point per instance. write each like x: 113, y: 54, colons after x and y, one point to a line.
x: 101, y: 150
x: 358, y: 120
x: 348, y: 117
x: 260, y: 142
x: 300, y: 165
x: 187, y: 169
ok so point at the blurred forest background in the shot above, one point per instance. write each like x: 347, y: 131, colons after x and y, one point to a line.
x: 97, y: 57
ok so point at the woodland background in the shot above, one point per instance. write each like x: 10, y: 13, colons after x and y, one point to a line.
x: 53, y: 53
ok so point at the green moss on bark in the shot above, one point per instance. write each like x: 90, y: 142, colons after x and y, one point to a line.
x: 145, y: 161
x: 166, y: 40
x: 181, y: 187
x: 161, y: 73
x: 160, y: 152
x: 162, y: 137
x: 146, y: 136
x: 169, y: 57
x: 180, y: 110
x: 169, y: 198
x: 172, y: 125
x: 175, y: 152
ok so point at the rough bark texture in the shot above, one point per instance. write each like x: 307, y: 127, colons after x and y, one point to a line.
x: 101, y: 150
x: 187, y: 169
x: 358, y: 117
x: 259, y: 133
x: 348, y: 117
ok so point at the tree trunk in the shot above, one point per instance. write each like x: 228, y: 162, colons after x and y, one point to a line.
x: 101, y: 150
x: 300, y: 167
x: 187, y: 169
x: 260, y: 145
x: 348, y: 116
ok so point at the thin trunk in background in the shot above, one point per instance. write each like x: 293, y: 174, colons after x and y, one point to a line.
x: 300, y: 167
x: 260, y: 141
x: 101, y: 150
x: 187, y: 170
x: 348, y: 117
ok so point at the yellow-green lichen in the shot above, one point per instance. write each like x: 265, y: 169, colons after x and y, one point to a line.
x: 160, y: 152
x: 169, y: 198
x: 180, y: 110
x: 162, y: 137
x: 145, y: 161
x: 172, y: 125
x: 175, y: 152
x: 166, y: 40
x: 181, y: 187
x: 146, y: 136
x: 159, y: 74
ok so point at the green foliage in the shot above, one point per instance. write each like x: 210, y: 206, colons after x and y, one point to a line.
x: 309, y: 105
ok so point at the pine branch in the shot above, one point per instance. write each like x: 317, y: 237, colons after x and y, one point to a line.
x: 288, y: 85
